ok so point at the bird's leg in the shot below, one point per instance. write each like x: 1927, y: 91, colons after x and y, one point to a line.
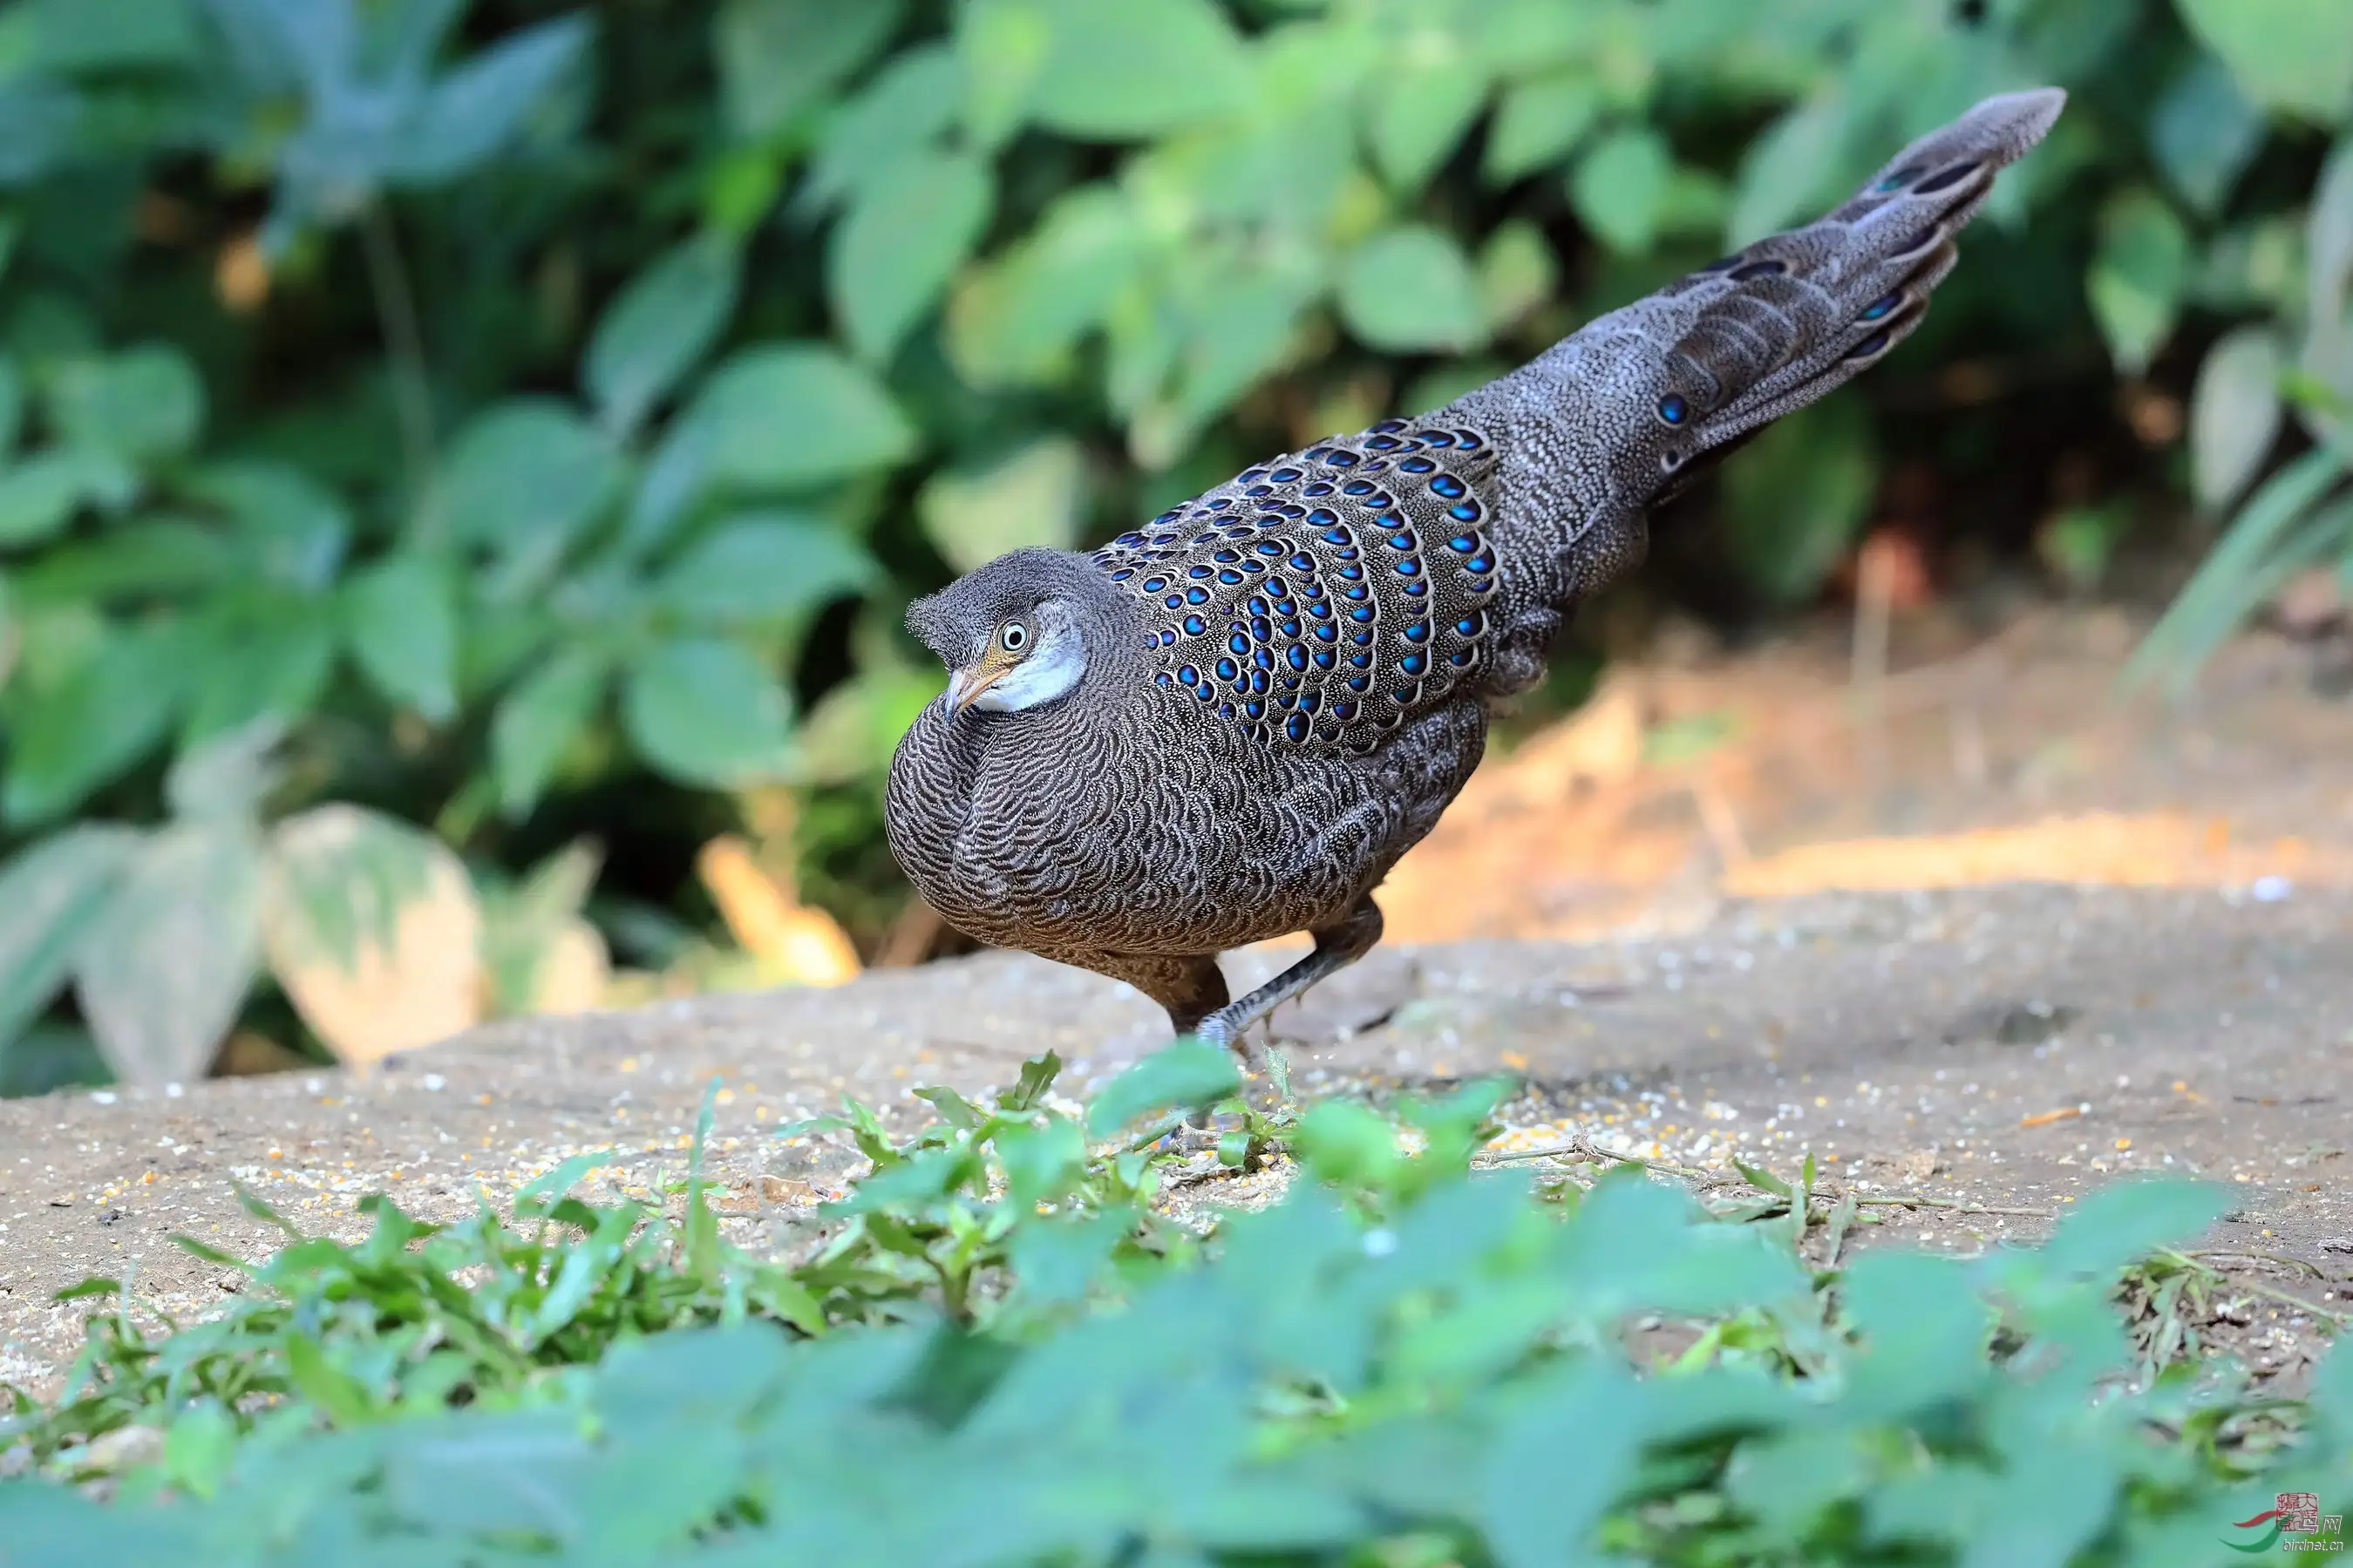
x: 1337, y: 946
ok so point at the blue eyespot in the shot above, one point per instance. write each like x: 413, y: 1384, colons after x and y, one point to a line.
x: 1323, y: 659
x: 1672, y: 409
x: 1464, y: 512
x: 1343, y: 709
x: 1400, y: 542
x: 1284, y: 476
x: 1342, y: 460
x: 1303, y: 563
x: 1194, y: 626
x: 1295, y: 726
x: 1297, y: 657
x: 1175, y: 601
x: 1229, y: 576
x: 1413, y: 664
x: 1468, y: 625
x: 1254, y: 708
x: 1409, y: 567
x: 1435, y: 438
x: 1446, y: 487
x: 1361, y: 614
x: 1479, y: 563
x: 1357, y: 488
x: 1198, y: 595
x: 1322, y: 631
x: 1416, y: 588
x: 1123, y: 574
x: 1463, y: 543
x: 1290, y: 628
x: 1417, y: 466
x: 1226, y: 669
x: 1153, y: 584
x: 1199, y: 570
x: 1418, y: 632
x: 1189, y: 676
x: 1882, y: 305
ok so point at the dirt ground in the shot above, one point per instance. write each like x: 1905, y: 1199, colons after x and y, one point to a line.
x: 1992, y: 1051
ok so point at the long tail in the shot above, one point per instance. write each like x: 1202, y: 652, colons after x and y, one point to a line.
x: 1637, y: 399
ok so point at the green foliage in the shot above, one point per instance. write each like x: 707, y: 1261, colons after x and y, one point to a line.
x: 1398, y: 1362
x: 520, y: 405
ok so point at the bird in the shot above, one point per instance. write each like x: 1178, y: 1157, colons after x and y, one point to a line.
x: 1227, y: 725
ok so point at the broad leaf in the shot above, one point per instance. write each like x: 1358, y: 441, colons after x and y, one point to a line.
x: 1540, y: 124
x: 110, y: 712
x: 1795, y: 499
x: 400, y: 618
x: 706, y: 712
x: 39, y: 494
x: 140, y: 406
x: 166, y: 965
x: 777, y: 58
x: 1620, y: 189
x: 1015, y: 318
x: 268, y: 657
x: 1034, y: 496
x: 2294, y: 55
x: 2138, y: 277
x: 525, y: 480
x: 1187, y: 1075
x: 912, y: 100
x: 762, y: 566
x: 907, y: 231
x: 49, y: 895
x: 1097, y: 72
x: 660, y: 326
x: 289, y: 528
x: 2204, y: 131
x: 373, y: 929
x: 1784, y: 171
x: 795, y: 415
x: 1416, y: 114
x: 1516, y: 273
x: 481, y: 106
x: 539, y: 720
x: 1409, y: 289
x: 2234, y: 412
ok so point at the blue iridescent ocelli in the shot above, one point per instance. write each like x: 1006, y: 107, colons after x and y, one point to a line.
x: 1238, y: 644
x: 1357, y: 488
x: 1284, y: 476
x: 1881, y: 306
x: 1463, y: 511
x: 1409, y: 567
x: 1446, y: 487
x: 1296, y: 726
x: 1189, y: 676
x: 1413, y: 664
x: 1416, y: 633
x: 1199, y: 596
x: 1153, y: 584
x: 1227, y: 670
x: 1479, y: 563
x: 1194, y: 626
x: 1297, y: 657
x: 1672, y: 409
x: 1175, y: 601
x: 1229, y: 576
x: 1417, y: 466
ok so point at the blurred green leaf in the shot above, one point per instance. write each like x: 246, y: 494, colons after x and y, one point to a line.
x: 482, y: 105
x: 50, y: 892
x: 166, y: 965
x: 39, y: 494
x: 400, y: 615
x: 89, y: 730
x: 226, y: 777
x: 1783, y: 172
x: 795, y: 416
x: 268, y: 657
x: 539, y: 720
x: 660, y: 326
x: 524, y: 479
x: 288, y: 529
x: 2292, y: 54
x: 338, y: 881
x: 1036, y: 495
x: 1104, y: 72
x: 1416, y: 114
x: 777, y: 58
x: 2138, y: 277
x: 140, y: 406
x: 706, y: 712
x: 1020, y: 313
x: 914, y: 98
x: 2234, y: 412
x: 762, y: 566
x: 1620, y: 188
x: 1187, y: 1075
x: 2204, y: 132
x: 1516, y: 274
x: 851, y: 732
x: 1795, y: 499
x: 1541, y: 123
x: 1411, y: 287
x: 12, y: 406
x: 907, y: 231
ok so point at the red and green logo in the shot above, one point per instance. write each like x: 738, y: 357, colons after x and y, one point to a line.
x: 2291, y: 1514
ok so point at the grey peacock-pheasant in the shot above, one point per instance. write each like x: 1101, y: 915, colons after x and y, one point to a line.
x: 1228, y: 724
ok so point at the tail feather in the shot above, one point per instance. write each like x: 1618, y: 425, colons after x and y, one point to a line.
x: 1800, y: 314
x: 1638, y: 400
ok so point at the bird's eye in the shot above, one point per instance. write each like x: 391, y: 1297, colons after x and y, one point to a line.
x: 1013, y: 637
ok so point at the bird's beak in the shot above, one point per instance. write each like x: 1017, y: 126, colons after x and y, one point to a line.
x: 963, y: 685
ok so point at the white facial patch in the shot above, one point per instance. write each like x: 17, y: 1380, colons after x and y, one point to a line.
x: 1047, y: 673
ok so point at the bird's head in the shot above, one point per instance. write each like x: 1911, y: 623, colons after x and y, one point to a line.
x: 1017, y: 633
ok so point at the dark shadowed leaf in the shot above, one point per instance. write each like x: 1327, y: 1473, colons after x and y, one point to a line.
x: 2203, y: 131
x: 166, y: 965
x: 1794, y: 499
x: 706, y: 712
